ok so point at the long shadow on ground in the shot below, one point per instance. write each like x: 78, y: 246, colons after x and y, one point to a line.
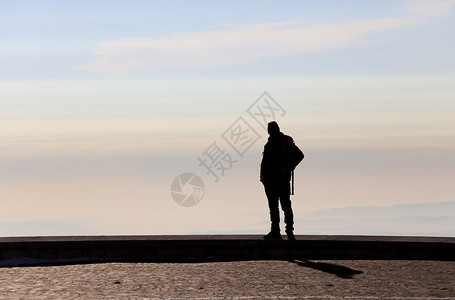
x: 340, y: 271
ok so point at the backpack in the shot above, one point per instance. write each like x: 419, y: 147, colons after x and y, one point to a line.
x: 292, y: 153
x: 294, y: 157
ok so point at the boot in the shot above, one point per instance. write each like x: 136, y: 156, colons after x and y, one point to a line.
x: 290, y: 234
x: 273, y: 235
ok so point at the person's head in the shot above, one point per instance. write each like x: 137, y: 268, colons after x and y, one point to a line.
x: 273, y: 128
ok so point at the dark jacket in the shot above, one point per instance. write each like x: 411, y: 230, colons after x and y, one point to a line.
x: 280, y: 157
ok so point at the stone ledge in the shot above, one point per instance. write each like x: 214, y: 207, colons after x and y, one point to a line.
x: 225, y: 247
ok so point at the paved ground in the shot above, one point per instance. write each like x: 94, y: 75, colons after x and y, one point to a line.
x: 340, y: 279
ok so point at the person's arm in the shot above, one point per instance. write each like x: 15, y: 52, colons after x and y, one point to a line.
x: 262, y: 171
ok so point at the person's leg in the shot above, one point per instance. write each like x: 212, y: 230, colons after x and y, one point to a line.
x: 271, y: 192
x: 285, y: 201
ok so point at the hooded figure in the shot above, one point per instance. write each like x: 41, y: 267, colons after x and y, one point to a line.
x: 280, y: 157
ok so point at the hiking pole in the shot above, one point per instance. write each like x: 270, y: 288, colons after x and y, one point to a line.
x: 292, y: 182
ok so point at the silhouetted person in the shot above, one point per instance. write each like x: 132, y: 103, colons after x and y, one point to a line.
x: 280, y: 157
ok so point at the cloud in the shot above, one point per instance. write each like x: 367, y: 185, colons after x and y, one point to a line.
x: 429, y: 8
x: 232, y: 46
x: 227, y: 23
x: 31, y: 52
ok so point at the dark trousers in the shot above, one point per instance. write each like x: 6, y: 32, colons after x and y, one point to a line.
x: 278, y: 191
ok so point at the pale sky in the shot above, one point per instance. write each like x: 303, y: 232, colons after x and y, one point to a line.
x: 104, y: 103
